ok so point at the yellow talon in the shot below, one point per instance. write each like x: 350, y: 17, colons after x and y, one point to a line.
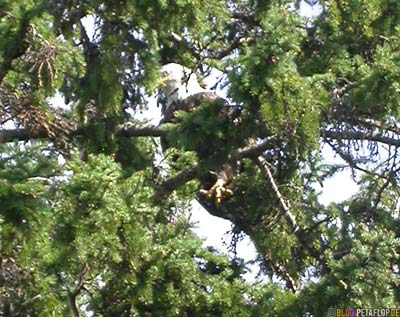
x: 218, y: 191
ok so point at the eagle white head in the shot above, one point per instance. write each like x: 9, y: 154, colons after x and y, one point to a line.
x: 178, y: 82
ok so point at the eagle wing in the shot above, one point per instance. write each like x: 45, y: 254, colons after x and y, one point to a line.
x: 189, y: 104
x: 214, y: 185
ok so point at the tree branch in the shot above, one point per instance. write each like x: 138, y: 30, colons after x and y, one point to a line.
x: 255, y: 149
x: 377, y: 124
x: 135, y: 130
x: 361, y: 135
x: 10, y: 135
x: 39, y: 296
x: 299, y: 233
x: 18, y: 45
x: 225, y: 51
x: 192, y: 172
x: 72, y: 303
x: 79, y: 285
x: 228, y: 49
x: 353, y: 164
x: 250, y: 19
x: 175, y: 181
x: 124, y: 130
x: 290, y: 219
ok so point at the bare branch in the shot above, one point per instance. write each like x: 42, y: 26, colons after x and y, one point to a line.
x: 38, y: 296
x: 254, y: 149
x: 290, y: 219
x: 179, y: 41
x: 352, y: 163
x: 79, y: 285
x: 299, y: 233
x: 375, y: 136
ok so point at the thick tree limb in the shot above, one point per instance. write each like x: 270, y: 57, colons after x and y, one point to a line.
x: 17, y: 48
x: 377, y: 124
x: 136, y: 130
x: 175, y: 181
x: 74, y: 307
x: 255, y: 149
x: 130, y: 129
x: 10, y: 135
x: 124, y: 130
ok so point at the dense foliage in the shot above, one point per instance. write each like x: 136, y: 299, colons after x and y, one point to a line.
x: 92, y: 225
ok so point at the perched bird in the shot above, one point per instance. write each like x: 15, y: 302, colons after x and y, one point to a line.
x: 182, y: 91
x: 178, y: 83
x: 312, y: 2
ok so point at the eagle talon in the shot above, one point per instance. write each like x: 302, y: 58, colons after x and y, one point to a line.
x: 218, y: 191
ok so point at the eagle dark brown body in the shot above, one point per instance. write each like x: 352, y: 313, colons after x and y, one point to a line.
x: 216, y: 183
x: 190, y: 103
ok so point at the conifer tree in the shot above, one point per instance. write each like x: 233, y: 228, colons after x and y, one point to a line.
x: 92, y: 225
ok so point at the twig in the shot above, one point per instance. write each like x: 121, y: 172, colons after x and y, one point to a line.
x: 291, y: 221
x: 215, y: 55
x: 299, y: 233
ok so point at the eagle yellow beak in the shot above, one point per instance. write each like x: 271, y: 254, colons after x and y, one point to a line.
x: 162, y: 80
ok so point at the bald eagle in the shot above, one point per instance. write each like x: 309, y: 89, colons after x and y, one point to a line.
x: 182, y: 91
x: 178, y: 83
